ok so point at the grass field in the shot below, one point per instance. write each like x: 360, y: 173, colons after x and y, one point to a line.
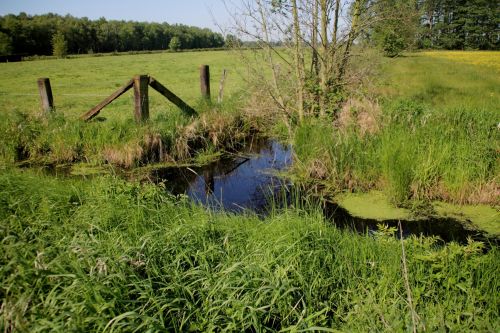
x: 104, y: 254
x: 79, y: 84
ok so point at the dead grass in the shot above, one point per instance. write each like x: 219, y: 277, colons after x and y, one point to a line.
x: 125, y: 156
x: 362, y: 114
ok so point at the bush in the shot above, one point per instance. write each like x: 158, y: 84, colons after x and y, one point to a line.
x: 393, y: 44
x: 59, y: 45
x: 175, y: 44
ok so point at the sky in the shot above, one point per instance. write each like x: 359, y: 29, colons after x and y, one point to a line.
x: 201, y: 13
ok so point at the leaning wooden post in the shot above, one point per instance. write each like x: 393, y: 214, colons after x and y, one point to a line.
x: 141, y: 112
x: 45, y: 94
x: 205, y: 82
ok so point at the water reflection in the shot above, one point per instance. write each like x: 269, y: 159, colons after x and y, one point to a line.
x: 241, y: 182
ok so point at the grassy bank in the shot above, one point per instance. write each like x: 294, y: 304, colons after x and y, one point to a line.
x: 115, y: 256
x: 167, y: 138
x: 78, y: 84
x: 431, y: 134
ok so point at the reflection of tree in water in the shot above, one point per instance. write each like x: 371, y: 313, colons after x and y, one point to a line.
x: 241, y: 181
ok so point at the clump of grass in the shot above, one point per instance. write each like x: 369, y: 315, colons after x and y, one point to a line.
x: 419, y: 154
x: 110, y: 255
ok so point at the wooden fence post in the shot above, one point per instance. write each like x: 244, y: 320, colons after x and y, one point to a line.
x: 141, y: 83
x: 45, y: 91
x: 221, y: 86
x: 205, y: 82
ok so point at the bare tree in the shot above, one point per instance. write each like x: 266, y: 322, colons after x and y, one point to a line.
x: 288, y: 32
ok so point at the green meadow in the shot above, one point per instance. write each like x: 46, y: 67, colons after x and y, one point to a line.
x: 80, y: 83
x: 102, y: 253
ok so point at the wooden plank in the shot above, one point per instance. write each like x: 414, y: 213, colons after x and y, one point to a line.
x: 205, y: 81
x: 171, y: 97
x: 96, y: 109
x: 221, y: 86
x: 46, y: 99
x: 141, y: 98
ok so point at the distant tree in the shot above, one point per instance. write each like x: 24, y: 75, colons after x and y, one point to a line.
x: 5, y: 44
x: 459, y: 24
x: 232, y: 41
x: 33, y: 34
x: 59, y: 45
x: 395, y: 27
x: 175, y: 44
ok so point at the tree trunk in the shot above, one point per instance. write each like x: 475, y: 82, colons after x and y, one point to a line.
x: 314, y: 39
x: 350, y: 40
x: 299, y: 60
x: 267, y: 47
x: 324, y: 68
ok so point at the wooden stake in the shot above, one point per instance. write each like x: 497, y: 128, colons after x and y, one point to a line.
x: 205, y: 82
x: 221, y: 86
x: 96, y: 109
x: 45, y: 91
x: 141, y: 99
x: 171, y: 97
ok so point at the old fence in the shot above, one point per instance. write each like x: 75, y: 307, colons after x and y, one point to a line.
x: 140, y: 84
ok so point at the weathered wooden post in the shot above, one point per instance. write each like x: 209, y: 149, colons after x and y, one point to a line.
x: 221, y: 86
x: 45, y: 91
x: 141, y: 112
x: 205, y: 81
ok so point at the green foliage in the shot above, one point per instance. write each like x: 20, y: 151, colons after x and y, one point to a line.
x: 393, y: 44
x: 103, y: 254
x: 175, y: 44
x: 232, y: 41
x: 432, y: 24
x: 437, y: 138
x: 5, y: 44
x: 395, y: 25
x: 59, y: 45
x: 32, y: 34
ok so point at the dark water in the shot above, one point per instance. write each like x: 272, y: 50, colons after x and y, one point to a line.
x: 246, y: 181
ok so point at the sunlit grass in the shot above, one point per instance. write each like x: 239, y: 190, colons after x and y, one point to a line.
x: 490, y: 59
x: 78, y: 84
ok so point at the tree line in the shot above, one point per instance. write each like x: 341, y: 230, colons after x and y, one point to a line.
x: 27, y: 34
x: 460, y: 24
x: 433, y: 24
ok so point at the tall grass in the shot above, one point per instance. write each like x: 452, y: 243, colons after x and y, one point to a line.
x: 106, y: 255
x: 442, y: 145
x: 167, y: 137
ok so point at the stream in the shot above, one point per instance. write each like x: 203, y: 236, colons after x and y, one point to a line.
x: 243, y: 182
x: 249, y: 181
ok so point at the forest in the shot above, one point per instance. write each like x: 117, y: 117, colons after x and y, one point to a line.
x: 26, y: 34
x: 460, y: 24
